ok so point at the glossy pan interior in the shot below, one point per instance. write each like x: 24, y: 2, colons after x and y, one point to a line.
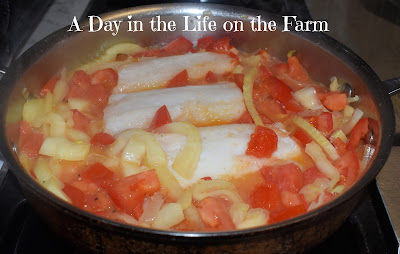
x: 323, y: 58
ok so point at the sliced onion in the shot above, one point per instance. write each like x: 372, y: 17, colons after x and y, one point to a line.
x: 125, y: 218
x: 338, y: 134
x: 255, y: 217
x: 186, y: 161
x: 62, y: 148
x: 313, y: 190
x: 357, y: 115
x: 317, y: 136
x: 308, y: 98
x: 248, y: 96
x: 322, y: 163
x: 170, y: 215
x: 151, y: 207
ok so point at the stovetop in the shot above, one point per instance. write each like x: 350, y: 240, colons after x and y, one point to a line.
x: 367, y: 230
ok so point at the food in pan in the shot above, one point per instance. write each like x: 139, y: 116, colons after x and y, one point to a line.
x: 194, y: 137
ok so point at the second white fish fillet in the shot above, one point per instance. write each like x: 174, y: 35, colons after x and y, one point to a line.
x: 202, y: 105
x: 156, y: 72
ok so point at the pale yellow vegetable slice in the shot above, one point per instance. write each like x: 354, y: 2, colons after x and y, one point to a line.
x: 109, y: 56
x: 57, y: 124
x: 186, y: 161
x: 322, y: 163
x: 36, y: 108
x: 317, y: 136
x: 255, y: 217
x: 62, y: 148
x: 79, y: 104
x: 134, y: 152
x: 338, y: 134
x: 185, y: 200
x: 76, y: 135
x: 51, y: 185
x: 248, y: 96
x: 170, y: 215
x: 348, y: 111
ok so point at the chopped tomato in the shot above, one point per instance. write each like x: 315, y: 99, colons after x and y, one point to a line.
x: 280, y: 69
x: 290, y: 199
x: 220, y: 45
x: 349, y: 167
x: 79, y: 85
x: 180, y: 79
x: 286, y: 177
x: 130, y: 192
x: 30, y: 140
x: 239, y: 79
x: 245, y: 118
x: 160, y: 118
x: 179, y: 46
x: 359, y: 131
x: 266, y: 196
x: 98, y: 174
x: 49, y: 86
x: 206, y: 178
x: 311, y: 174
x: 288, y: 213
x: 325, y: 122
x: 297, y: 71
x: 270, y: 108
x: 108, y: 78
x: 215, y: 213
x: 149, y: 53
x: 335, y: 101
x: 98, y: 96
x: 81, y: 122
x: 263, y: 142
x: 204, y: 43
x: 88, y: 196
x: 102, y: 139
x: 211, y: 77
x: 302, y: 136
x: 340, y: 145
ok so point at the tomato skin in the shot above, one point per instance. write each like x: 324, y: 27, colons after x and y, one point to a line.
x: 359, y: 131
x: 160, y: 118
x: 30, y: 140
x: 211, y: 77
x: 79, y: 85
x: 130, y: 192
x: 149, y: 53
x: 325, y: 122
x: 263, y: 142
x: 49, y: 86
x: 179, y: 46
x: 108, y: 78
x: 206, y: 178
x: 335, y: 101
x: 296, y: 70
x: 102, y: 139
x: 311, y: 174
x: 286, y: 177
x: 204, y: 43
x: 180, y: 79
x: 221, y: 45
x: 266, y: 196
x: 288, y: 213
x: 349, y: 167
x: 215, y: 214
x: 81, y: 122
x: 98, y: 174
x: 340, y: 146
x: 302, y: 136
x: 88, y: 196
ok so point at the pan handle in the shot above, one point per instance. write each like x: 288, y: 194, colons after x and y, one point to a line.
x: 392, y: 86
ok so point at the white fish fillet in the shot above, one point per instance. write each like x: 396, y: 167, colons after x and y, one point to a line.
x: 156, y: 72
x: 201, y: 105
x: 223, y: 151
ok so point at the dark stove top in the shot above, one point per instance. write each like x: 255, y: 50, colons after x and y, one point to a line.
x: 367, y: 230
